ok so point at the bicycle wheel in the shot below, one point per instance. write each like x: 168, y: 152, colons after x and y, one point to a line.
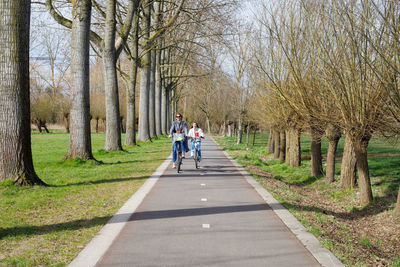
x: 195, y: 158
x: 178, y: 157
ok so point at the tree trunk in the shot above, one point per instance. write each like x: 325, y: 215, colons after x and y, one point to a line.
x: 276, y: 137
x: 80, y: 145
x: 164, y: 109
x: 247, y: 134
x: 276, y: 144
x: 224, y: 128
x: 360, y: 149
x: 316, y: 155
x: 122, y: 125
x: 254, y: 135
x: 15, y: 126
x: 164, y: 93
x: 38, y: 126
x: 152, y: 94
x: 208, y: 125
x: 130, y: 137
x: 144, y: 127
x: 97, y: 125
x: 230, y: 130
x: 66, y: 123
x: 348, y: 167
x: 287, y: 157
x: 294, y: 149
x: 333, y: 134
x: 240, y: 131
x: 158, y: 90
x: 169, y: 93
x: 113, y: 124
x: 271, y: 139
x: 397, y: 209
x: 282, y: 152
x: 45, y: 127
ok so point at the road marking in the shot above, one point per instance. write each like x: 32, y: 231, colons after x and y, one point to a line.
x: 203, y: 184
x: 204, y: 199
x: 201, y: 173
x: 206, y: 225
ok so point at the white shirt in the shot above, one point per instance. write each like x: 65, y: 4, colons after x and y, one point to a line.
x: 192, y: 132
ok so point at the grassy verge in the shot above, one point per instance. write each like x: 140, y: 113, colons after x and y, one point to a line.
x: 359, y: 236
x: 49, y: 226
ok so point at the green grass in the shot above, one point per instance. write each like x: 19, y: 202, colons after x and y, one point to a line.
x: 48, y: 226
x: 295, y: 187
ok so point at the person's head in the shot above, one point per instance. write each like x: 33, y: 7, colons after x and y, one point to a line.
x: 195, y: 125
x: 178, y: 116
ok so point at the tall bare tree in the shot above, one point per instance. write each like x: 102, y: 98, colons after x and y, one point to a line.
x: 15, y: 135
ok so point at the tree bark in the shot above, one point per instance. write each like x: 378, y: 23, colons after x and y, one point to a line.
x: 271, y: 139
x: 282, y: 151
x: 348, y: 167
x: 240, y: 131
x: 287, y: 157
x: 333, y: 134
x: 360, y: 149
x: 247, y: 134
x: 230, y: 130
x: 45, y: 128
x: 224, y: 128
x: 316, y: 155
x: 130, y: 137
x: 113, y: 124
x: 294, y: 149
x: 144, y: 127
x: 15, y: 126
x: 254, y: 135
x: 97, y: 125
x: 80, y: 145
x: 38, y: 126
x: 208, y: 125
x: 276, y: 144
x: 158, y: 94
x: 152, y: 94
x: 66, y: 123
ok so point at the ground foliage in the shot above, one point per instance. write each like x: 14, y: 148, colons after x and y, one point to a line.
x: 48, y: 226
x: 359, y: 236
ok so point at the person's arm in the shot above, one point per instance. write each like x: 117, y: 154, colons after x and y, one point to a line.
x: 171, y: 130
x: 201, y: 133
x: 185, y: 128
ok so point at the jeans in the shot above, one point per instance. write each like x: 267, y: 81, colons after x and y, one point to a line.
x: 184, y: 148
x: 198, y: 148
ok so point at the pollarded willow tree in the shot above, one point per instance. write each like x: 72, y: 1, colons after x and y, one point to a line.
x: 15, y: 129
x: 387, y: 47
x: 329, y: 50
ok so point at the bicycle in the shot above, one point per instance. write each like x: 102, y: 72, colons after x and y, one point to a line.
x: 197, y: 142
x: 178, y: 137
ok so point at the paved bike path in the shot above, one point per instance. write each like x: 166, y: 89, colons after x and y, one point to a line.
x: 205, y: 217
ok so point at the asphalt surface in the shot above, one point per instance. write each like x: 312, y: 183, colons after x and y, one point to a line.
x: 205, y: 217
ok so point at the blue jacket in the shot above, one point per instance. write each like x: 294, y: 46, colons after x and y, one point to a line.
x: 178, y: 126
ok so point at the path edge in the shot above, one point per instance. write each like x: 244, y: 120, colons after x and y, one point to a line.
x: 99, y: 244
x: 311, y: 243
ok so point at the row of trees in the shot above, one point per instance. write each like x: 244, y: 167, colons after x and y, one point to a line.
x: 144, y: 43
x: 329, y: 68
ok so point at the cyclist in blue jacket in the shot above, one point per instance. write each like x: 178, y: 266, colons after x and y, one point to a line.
x: 178, y: 126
